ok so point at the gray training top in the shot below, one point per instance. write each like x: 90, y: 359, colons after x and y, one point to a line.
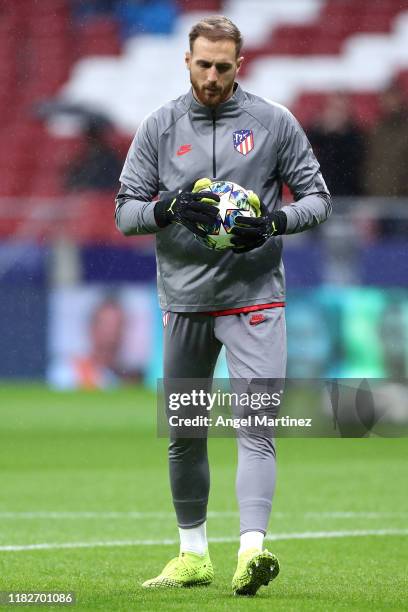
x: 183, y: 141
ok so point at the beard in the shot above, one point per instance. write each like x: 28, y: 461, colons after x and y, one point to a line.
x: 210, y: 95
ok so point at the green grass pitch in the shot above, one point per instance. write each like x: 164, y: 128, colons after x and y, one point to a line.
x: 86, y: 474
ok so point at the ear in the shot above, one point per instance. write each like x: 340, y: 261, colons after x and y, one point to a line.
x: 187, y: 59
x: 239, y: 62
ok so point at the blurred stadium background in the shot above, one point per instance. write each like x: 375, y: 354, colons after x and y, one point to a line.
x: 85, y: 503
x: 78, y: 77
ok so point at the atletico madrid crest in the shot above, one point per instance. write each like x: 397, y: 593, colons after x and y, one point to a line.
x: 243, y: 141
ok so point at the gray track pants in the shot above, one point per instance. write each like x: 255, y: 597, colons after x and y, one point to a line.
x: 192, y: 342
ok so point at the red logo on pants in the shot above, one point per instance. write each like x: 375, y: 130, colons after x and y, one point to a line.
x: 256, y: 319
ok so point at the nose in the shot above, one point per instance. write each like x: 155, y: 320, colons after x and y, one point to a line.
x: 212, y: 74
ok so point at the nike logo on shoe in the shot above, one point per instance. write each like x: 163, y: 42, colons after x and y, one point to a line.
x: 186, y: 148
x: 256, y: 319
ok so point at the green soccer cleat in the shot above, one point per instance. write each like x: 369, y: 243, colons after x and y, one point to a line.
x: 186, y: 570
x: 255, y: 569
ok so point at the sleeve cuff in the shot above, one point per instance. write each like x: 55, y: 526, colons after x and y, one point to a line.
x: 149, y: 220
x: 292, y: 218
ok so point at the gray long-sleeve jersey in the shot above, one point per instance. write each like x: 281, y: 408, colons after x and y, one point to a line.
x: 183, y: 141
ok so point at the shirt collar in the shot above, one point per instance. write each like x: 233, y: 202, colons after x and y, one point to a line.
x: 201, y: 111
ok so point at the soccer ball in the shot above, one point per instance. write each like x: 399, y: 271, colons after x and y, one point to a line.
x: 234, y: 201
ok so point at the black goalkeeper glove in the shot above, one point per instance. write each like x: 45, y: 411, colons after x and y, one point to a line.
x: 190, y: 208
x: 252, y: 232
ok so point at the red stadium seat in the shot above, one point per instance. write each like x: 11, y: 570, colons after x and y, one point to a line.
x: 214, y: 6
x: 47, y: 26
x: 14, y: 183
x: 365, y: 108
x: 46, y: 184
x: 60, y: 151
x: 308, y: 106
x: 120, y: 143
x: 32, y: 10
x: 338, y: 20
x: 99, y: 36
x: 88, y: 222
x: 402, y: 80
x: 103, y: 46
x: 33, y: 162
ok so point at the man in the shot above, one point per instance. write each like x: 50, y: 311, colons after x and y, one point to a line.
x: 99, y: 367
x: 339, y: 146
x: 219, y: 130
x: 97, y: 166
x: 385, y: 172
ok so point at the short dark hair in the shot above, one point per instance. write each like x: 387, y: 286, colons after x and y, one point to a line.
x: 216, y: 27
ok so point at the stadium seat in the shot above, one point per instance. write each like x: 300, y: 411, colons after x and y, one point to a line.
x: 295, y: 53
x: 88, y: 221
x: 47, y: 25
x: 308, y: 106
x: 214, y: 6
x: 402, y: 79
x: 364, y: 107
x: 46, y: 184
x: 99, y: 36
x: 305, y: 46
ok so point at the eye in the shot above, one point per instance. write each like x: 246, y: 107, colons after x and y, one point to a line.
x: 203, y: 64
x: 223, y: 67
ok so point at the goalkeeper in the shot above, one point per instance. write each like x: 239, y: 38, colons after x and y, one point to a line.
x: 235, y: 298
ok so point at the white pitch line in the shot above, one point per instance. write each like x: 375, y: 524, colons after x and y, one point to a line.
x: 212, y: 514
x: 307, y: 535
x: 102, y: 515
x: 353, y: 515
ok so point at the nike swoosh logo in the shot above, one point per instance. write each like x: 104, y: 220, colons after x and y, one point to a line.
x: 256, y: 319
x: 184, y: 149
